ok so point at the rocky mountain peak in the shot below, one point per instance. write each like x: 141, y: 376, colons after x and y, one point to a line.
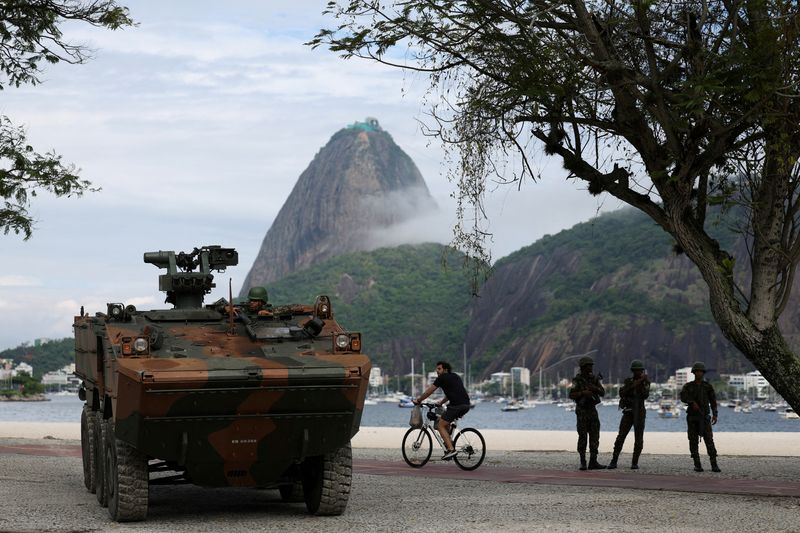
x: 357, y: 185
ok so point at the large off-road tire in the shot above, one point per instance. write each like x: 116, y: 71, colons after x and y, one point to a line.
x: 292, y: 493
x: 100, y: 458
x: 327, y: 480
x: 128, y: 480
x: 88, y: 441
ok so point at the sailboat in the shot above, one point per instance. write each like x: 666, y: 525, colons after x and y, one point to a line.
x: 511, y: 405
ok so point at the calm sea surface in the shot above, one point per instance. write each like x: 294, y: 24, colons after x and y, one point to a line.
x: 486, y: 415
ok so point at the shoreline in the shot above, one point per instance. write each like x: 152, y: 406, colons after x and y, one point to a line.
x: 29, y: 398
x: 778, y: 444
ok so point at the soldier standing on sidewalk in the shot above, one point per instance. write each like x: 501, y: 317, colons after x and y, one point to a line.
x: 586, y: 391
x: 632, y: 395
x: 699, y: 396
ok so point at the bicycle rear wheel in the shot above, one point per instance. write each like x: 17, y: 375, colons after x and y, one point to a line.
x: 471, y: 449
x: 417, y: 447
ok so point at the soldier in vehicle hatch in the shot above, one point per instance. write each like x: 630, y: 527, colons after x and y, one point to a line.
x: 257, y: 300
x: 586, y: 391
x: 632, y: 395
x: 701, y: 414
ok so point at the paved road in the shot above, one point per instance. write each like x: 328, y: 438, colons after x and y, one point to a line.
x: 44, y: 492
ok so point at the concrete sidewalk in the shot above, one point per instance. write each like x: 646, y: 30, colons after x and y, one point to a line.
x: 622, y: 478
x: 661, y: 443
x: 42, y: 490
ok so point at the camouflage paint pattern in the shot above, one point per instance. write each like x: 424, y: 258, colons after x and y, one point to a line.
x: 232, y: 407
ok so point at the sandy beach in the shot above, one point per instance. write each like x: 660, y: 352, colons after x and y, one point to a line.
x: 514, y: 490
x: 661, y: 443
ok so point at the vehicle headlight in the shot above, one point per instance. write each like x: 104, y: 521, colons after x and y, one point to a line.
x: 343, y: 341
x: 140, y: 345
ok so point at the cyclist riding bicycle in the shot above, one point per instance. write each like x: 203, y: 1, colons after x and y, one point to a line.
x: 456, y: 394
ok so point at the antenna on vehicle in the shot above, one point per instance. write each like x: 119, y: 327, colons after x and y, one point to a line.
x: 231, y: 329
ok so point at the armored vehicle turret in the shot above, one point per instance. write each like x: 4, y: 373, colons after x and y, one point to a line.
x: 217, y: 395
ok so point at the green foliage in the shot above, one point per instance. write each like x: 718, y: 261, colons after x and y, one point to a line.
x: 30, y: 34
x: 27, y: 384
x: 613, y: 250
x: 46, y: 357
x: 393, y: 296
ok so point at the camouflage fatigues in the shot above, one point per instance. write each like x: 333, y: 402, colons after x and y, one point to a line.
x: 588, y: 423
x: 699, y: 422
x: 631, y: 400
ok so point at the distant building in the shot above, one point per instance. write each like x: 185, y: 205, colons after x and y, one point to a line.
x: 63, y: 377
x: 750, y: 381
x: 22, y: 367
x: 6, y: 367
x: 500, y: 377
x: 521, y: 375
x: 57, y: 377
x: 683, y: 376
x: 375, y: 377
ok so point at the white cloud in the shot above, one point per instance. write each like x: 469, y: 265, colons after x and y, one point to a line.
x: 196, y: 124
x: 20, y: 281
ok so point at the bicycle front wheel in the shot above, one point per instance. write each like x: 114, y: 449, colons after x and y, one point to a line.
x: 471, y: 449
x: 417, y: 447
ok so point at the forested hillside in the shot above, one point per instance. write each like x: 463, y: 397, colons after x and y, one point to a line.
x: 614, y: 285
x: 49, y: 355
x: 404, y: 300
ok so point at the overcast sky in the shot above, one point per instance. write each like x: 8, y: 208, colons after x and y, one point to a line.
x: 196, y: 125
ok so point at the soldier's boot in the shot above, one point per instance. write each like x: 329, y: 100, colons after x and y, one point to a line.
x: 593, y: 464
x: 714, y: 466
x: 583, y: 461
x: 698, y: 467
x: 613, y: 464
x: 635, y: 460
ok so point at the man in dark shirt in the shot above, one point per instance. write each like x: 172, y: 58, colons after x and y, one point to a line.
x: 701, y: 401
x: 456, y: 394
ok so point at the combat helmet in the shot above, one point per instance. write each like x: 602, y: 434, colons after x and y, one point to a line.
x: 636, y: 364
x: 258, y: 293
x: 698, y: 366
x: 586, y: 360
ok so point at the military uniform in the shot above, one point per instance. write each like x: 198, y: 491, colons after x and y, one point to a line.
x: 588, y: 423
x: 631, y: 400
x: 698, y: 420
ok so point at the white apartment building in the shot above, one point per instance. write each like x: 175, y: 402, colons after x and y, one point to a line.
x: 375, y: 377
x: 22, y: 367
x: 751, y: 380
x: 500, y: 377
x: 521, y: 375
x: 683, y: 376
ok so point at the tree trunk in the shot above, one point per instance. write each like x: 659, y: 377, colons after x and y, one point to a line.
x: 765, y: 347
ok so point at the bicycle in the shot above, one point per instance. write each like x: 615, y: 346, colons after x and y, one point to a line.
x: 418, y: 445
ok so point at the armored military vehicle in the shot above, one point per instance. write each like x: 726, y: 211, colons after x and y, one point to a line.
x: 217, y: 395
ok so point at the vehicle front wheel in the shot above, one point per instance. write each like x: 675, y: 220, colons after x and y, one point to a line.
x: 327, y: 480
x: 128, y: 480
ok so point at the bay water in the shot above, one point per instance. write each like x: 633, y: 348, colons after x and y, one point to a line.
x: 485, y: 415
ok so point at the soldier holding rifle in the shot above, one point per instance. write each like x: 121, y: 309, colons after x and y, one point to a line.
x: 701, y: 414
x: 632, y: 395
x: 586, y: 391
